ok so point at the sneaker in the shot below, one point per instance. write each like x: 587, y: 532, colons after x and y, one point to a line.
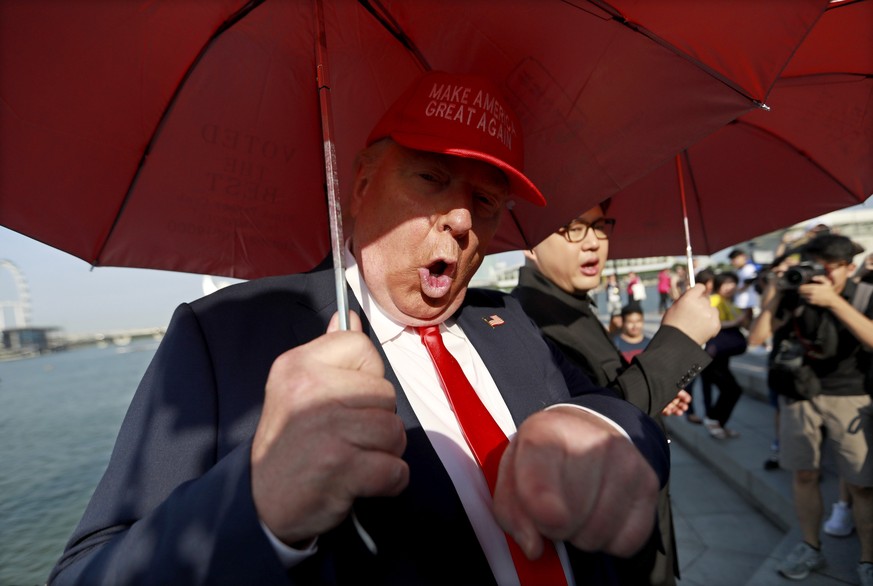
x: 801, y: 561
x: 865, y: 573
x: 714, y: 428
x: 730, y: 433
x: 840, y: 523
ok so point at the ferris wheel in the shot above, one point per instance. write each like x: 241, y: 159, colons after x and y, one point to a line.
x: 18, y: 309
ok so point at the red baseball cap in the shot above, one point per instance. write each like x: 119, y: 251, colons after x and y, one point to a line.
x: 461, y: 115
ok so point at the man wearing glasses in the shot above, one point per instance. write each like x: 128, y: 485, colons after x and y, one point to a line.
x: 553, y: 289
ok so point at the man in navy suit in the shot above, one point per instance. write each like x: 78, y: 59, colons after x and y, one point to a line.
x: 262, y: 438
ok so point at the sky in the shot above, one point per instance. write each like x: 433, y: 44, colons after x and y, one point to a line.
x: 66, y: 293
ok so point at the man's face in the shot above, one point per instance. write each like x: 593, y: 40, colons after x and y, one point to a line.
x: 838, y: 272
x: 739, y: 261
x: 632, y: 325
x: 727, y: 289
x: 574, y: 266
x: 422, y: 223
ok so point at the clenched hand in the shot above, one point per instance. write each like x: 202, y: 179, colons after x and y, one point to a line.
x: 693, y: 315
x: 568, y: 475
x: 328, y: 434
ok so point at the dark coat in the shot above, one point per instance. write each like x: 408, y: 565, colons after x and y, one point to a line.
x: 669, y: 363
x: 175, y: 505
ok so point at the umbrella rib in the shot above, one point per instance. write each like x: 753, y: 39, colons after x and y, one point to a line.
x: 697, y: 199
x: 384, y: 17
x: 527, y: 243
x: 228, y: 22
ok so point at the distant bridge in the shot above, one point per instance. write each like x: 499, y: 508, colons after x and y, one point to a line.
x: 116, y: 337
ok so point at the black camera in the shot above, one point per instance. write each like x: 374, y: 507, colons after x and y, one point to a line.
x: 801, y: 274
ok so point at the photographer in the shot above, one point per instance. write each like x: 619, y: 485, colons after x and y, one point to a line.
x: 808, y: 309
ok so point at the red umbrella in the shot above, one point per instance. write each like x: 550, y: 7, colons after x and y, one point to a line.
x: 186, y: 135
x: 809, y: 154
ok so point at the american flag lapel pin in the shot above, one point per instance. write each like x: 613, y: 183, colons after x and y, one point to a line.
x: 493, y: 320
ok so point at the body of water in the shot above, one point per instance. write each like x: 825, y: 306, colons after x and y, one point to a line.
x: 59, y: 417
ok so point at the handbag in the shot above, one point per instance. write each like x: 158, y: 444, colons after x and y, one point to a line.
x: 638, y: 291
x: 727, y: 342
x: 787, y: 374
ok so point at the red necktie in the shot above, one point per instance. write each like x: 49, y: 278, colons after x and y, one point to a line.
x: 487, y: 442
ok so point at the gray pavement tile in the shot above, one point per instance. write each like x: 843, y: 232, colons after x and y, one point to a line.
x: 717, y: 567
x: 720, y: 538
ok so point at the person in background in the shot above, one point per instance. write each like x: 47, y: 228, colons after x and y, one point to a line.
x: 632, y: 338
x: 791, y: 242
x: 819, y: 315
x: 840, y: 522
x: 718, y: 372
x: 746, y: 297
x: 772, y: 461
x: 705, y: 278
x: 680, y: 272
x: 614, y: 325
x: 613, y: 296
x: 553, y: 289
x: 263, y: 437
x: 666, y: 288
x: 636, y: 289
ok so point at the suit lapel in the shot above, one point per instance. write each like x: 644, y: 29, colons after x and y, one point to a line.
x: 507, y: 351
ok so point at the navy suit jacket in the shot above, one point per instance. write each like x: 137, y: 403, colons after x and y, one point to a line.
x: 175, y: 504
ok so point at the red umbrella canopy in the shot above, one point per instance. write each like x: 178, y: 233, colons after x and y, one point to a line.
x: 186, y: 135
x: 809, y: 154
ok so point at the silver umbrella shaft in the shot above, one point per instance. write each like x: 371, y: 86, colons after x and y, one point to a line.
x: 330, y: 171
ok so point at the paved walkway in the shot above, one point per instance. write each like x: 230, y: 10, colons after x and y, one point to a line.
x: 734, y: 519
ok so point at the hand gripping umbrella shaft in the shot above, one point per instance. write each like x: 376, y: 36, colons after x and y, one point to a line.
x: 333, y: 204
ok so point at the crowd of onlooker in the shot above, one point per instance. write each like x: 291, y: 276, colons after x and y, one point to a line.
x: 811, y: 308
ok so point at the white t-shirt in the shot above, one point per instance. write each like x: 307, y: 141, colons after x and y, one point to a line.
x: 747, y: 298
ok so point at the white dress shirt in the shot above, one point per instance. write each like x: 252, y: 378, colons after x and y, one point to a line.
x: 420, y: 381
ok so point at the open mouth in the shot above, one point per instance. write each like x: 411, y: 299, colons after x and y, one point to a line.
x: 437, y: 277
x: 438, y: 268
x: 590, y: 268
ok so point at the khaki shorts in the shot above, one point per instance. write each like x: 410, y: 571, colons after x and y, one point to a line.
x: 849, y: 424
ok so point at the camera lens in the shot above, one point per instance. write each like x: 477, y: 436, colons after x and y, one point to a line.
x: 794, y: 277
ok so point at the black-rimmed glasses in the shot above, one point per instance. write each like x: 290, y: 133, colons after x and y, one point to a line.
x: 576, y: 231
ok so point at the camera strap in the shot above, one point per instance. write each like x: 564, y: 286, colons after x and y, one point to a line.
x: 826, y: 338
x: 861, y: 298
x: 808, y: 346
x: 860, y: 301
